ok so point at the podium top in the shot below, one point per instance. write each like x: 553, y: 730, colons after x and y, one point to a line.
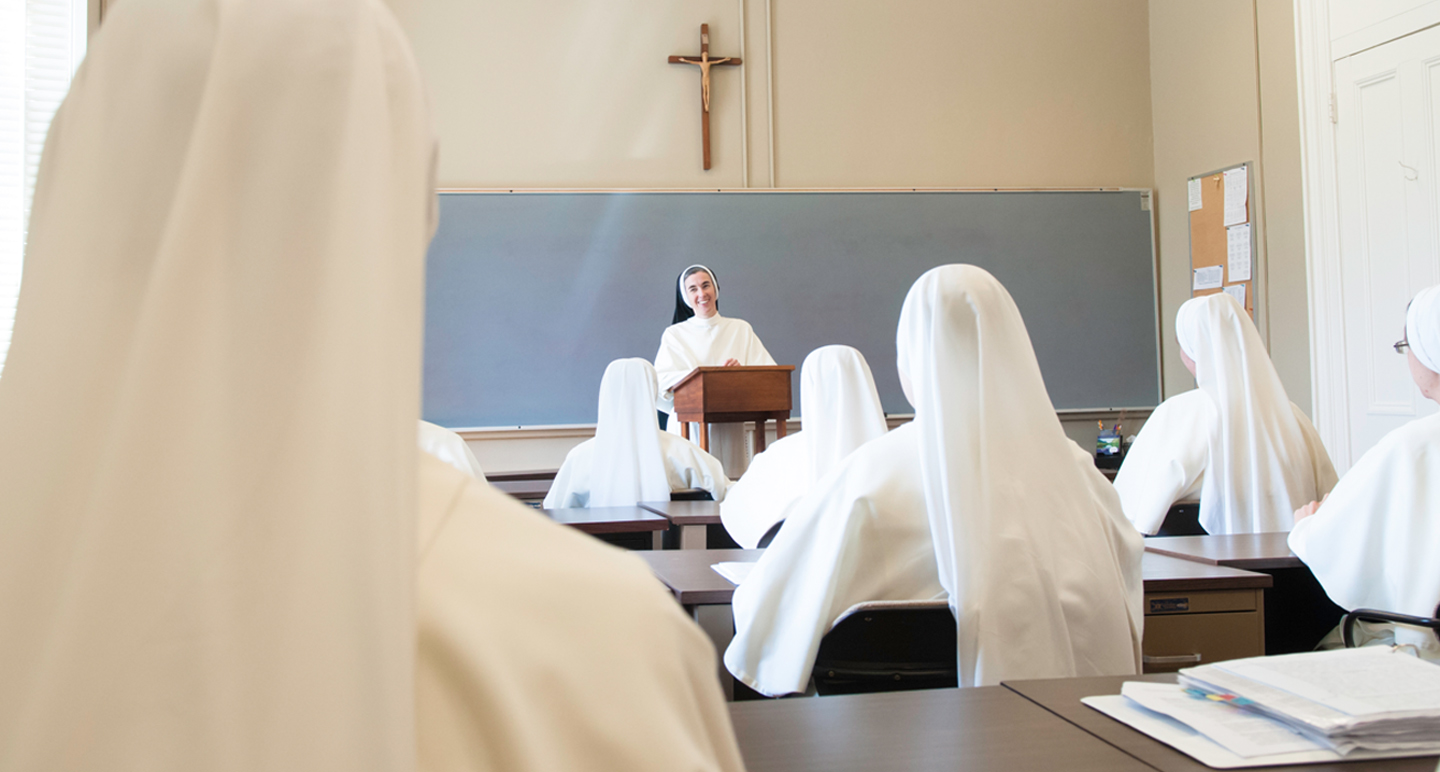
x: 697, y: 372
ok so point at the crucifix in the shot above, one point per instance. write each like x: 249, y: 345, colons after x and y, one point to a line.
x: 704, y: 62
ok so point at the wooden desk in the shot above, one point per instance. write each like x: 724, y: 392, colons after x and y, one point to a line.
x: 978, y: 730
x: 1298, y: 612
x: 691, y: 517
x: 1197, y: 613
x: 612, y: 520
x: 528, y: 486
x: 1194, y: 613
x: 1250, y: 551
x: 1062, y: 698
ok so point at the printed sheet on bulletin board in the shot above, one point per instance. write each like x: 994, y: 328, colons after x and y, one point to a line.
x: 1222, y: 242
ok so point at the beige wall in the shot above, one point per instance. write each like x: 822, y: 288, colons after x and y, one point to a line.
x: 576, y: 93
x: 962, y: 93
x: 1223, y: 91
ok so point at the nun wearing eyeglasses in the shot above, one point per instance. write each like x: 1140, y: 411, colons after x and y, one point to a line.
x: 700, y: 337
x: 1238, y: 441
x: 1372, y: 542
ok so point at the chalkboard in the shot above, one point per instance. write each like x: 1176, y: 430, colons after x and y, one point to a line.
x: 530, y: 295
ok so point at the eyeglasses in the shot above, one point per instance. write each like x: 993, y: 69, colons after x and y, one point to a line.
x: 1401, y: 345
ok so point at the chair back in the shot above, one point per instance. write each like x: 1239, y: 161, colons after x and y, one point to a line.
x: 882, y: 646
x: 1347, y: 623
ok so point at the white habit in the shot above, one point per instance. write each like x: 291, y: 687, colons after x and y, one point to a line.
x: 450, y: 448
x: 982, y: 497
x: 1252, y: 454
x: 698, y: 342
x: 841, y: 411
x: 207, y: 421
x: 630, y: 460
x: 1374, y: 543
x: 541, y: 648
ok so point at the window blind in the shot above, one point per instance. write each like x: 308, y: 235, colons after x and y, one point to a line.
x: 41, y: 44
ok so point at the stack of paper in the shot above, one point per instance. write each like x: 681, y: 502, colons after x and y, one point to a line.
x: 1371, y: 702
x: 1374, y: 697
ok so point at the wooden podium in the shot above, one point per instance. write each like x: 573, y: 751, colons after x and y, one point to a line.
x: 727, y: 395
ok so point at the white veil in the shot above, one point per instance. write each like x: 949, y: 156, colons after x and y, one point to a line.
x: 628, y: 464
x: 840, y: 406
x: 207, y: 420
x: 1042, y: 569
x: 1260, y: 468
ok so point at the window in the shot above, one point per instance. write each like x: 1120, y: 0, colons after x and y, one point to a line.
x: 41, y: 44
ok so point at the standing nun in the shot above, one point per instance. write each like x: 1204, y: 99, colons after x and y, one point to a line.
x: 1237, y: 440
x: 981, y: 498
x: 701, y: 337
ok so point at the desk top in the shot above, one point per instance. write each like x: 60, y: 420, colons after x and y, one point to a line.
x: 1251, y: 551
x: 688, y: 574
x: 686, y: 512
x: 609, y: 519
x: 978, y: 730
x: 1166, y: 573
x: 1062, y: 697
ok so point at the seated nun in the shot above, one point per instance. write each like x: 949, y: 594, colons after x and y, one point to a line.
x: 207, y: 416
x: 1373, y: 542
x: 541, y: 648
x: 450, y: 448
x: 631, y: 459
x: 1238, y: 441
x: 981, y: 499
x: 208, y: 555
x: 841, y: 411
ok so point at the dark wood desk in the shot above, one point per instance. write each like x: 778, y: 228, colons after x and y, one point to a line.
x: 1062, y: 697
x: 1250, y: 551
x: 1194, y: 613
x: 691, y: 517
x: 612, y: 520
x: 1298, y: 613
x: 977, y: 730
x: 527, y: 485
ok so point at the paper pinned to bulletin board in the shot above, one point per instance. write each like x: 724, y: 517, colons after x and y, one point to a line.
x: 1222, y: 239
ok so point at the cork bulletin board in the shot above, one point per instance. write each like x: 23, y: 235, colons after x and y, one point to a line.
x: 1222, y: 235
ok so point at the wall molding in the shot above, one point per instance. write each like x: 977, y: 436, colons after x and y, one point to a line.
x: 1328, y: 394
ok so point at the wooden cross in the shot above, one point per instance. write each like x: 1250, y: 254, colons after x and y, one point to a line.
x: 704, y: 62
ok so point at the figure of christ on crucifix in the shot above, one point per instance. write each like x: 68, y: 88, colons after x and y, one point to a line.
x: 704, y: 62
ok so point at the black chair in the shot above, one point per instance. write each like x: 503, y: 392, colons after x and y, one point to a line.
x: 888, y: 646
x: 1347, y: 623
x: 770, y: 535
x: 1183, y: 519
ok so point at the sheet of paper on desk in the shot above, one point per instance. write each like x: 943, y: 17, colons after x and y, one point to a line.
x: 733, y: 571
x: 1204, y: 750
x: 1209, y: 277
x: 1237, y: 242
x: 1237, y: 194
x: 1197, y: 201
x: 1239, y: 731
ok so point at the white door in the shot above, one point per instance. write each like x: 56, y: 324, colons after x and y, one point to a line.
x: 1387, y: 139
